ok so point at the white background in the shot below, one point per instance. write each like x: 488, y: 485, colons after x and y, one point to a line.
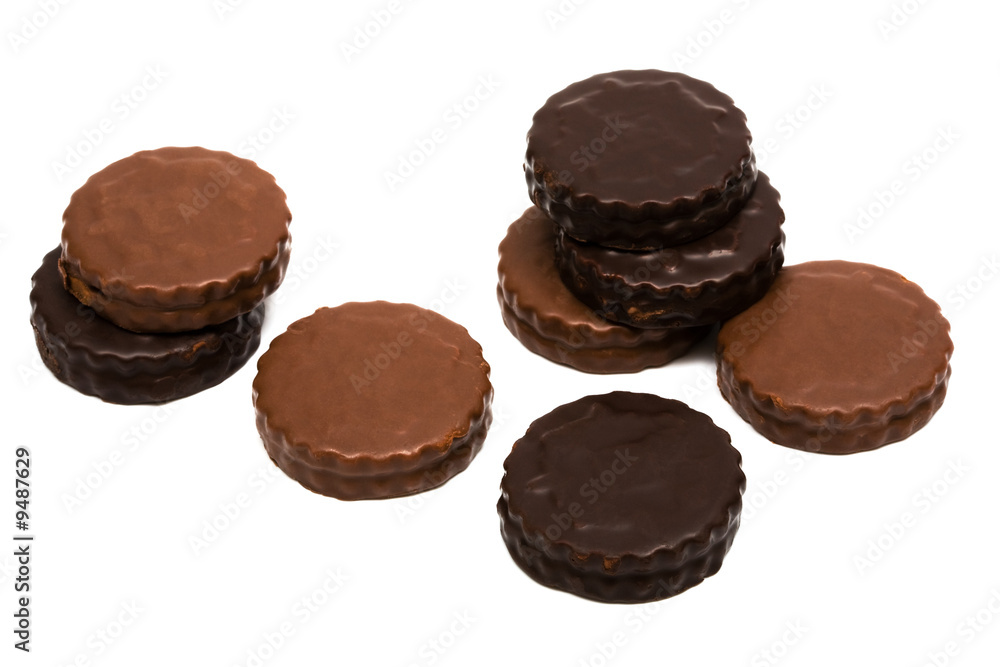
x: 413, y: 566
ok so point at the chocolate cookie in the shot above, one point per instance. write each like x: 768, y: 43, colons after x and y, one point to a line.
x: 639, y: 159
x: 175, y: 239
x: 698, y: 283
x: 621, y: 498
x: 373, y: 400
x: 548, y: 320
x: 97, y: 358
x: 837, y: 358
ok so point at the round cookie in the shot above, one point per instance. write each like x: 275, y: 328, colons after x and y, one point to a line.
x: 837, y: 358
x: 175, y: 239
x: 372, y: 400
x: 99, y: 359
x: 639, y: 159
x: 702, y: 282
x: 547, y: 319
x: 621, y: 498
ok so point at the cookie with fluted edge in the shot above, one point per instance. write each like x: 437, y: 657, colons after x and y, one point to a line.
x: 621, y: 497
x: 373, y: 400
x: 639, y: 159
x: 175, y: 239
x: 97, y: 358
x: 837, y: 358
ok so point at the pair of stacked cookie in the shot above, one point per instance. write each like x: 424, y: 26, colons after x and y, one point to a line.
x: 157, y: 289
x: 650, y: 225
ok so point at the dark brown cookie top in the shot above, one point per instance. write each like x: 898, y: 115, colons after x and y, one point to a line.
x: 638, y: 144
x: 370, y: 388
x: 842, y: 341
x: 625, y: 480
x: 175, y: 227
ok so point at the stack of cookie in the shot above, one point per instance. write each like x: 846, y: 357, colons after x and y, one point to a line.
x: 157, y: 289
x: 650, y: 225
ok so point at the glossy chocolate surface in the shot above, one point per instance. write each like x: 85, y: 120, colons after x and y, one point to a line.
x: 544, y: 315
x: 838, y: 357
x: 621, y: 497
x: 97, y: 358
x: 175, y: 239
x: 698, y: 283
x: 372, y: 400
x: 639, y: 159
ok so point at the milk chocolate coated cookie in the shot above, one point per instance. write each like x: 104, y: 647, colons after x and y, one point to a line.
x: 97, y: 358
x: 838, y: 357
x: 544, y: 315
x: 175, y: 239
x: 621, y: 498
x: 698, y: 283
x: 639, y: 159
x: 373, y: 400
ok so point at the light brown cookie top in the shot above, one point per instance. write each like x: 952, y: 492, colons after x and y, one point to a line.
x: 174, y: 228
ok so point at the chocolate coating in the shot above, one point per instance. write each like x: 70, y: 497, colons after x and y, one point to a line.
x: 544, y: 315
x: 695, y: 284
x: 372, y: 400
x: 639, y: 159
x: 838, y: 357
x: 175, y: 239
x: 97, y: 358
x: 621, y: 498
